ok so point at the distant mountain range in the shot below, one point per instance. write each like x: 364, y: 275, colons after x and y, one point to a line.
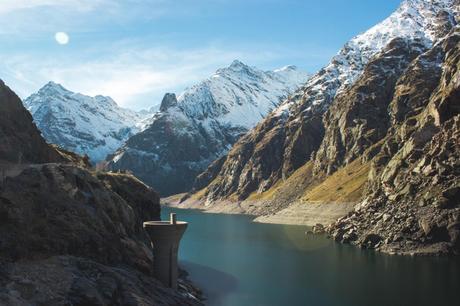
x: 95, y: 126
x: 191, y: 131
x: 169, y: 147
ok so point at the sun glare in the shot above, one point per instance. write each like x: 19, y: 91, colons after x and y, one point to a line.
x: 62, y: 38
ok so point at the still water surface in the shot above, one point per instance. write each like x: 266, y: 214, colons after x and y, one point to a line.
x: 237, y: 262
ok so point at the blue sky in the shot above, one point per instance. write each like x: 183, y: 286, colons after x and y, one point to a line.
x: 136, y: 50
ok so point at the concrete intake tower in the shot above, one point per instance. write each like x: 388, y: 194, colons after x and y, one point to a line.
x: 165, y: 237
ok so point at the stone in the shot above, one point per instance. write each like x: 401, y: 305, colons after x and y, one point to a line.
x: 371, y: 240
x: 453, y: 195
x: 386, y: 217
x: 442, y: 202
x: 318, y: 229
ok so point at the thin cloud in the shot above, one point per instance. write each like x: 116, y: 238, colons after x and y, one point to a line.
x: 129, y: 76
x: 8, y: 6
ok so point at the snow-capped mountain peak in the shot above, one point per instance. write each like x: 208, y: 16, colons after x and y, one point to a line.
x: 53, y: 86
x: 240, y: 94
x: 95, y: 125
x: 413, y: 19
x: 423, y: 20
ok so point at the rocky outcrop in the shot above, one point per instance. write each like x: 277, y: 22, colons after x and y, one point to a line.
x: 200, y: 126
x: 358, y: 118
x: 413, y: 200
x: 79, y: 237
x: 205, y: 178
x: 68, y: 280
x: 21, y: 140
x: 81, y: 218
x: 169, y: 100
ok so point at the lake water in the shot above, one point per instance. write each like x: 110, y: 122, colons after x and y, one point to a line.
x: 237, y: 262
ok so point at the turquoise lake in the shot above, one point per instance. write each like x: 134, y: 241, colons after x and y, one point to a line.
x: 237, y: 262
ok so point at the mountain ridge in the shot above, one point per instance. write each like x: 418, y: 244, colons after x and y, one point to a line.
x: 202, y: 123
x: 95, y: 126
x: 249, y: 169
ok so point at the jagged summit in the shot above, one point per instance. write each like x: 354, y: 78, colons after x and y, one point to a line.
x: 425, y: 19
x: 53, y: 88
x: 56, y: 89
x: 95, y: 126
x: 169, y: 100
x: 238, y: 64
x: 285, y: 68
x: 53, y: 85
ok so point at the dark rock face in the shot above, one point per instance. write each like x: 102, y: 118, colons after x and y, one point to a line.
x: 79, y: 237
x: 79, y: 219
x: 205, y: 178
x: 413, y: 199
x: 239, y: 172
x: 21, y: 140
x: 169, y: 100
x: 68, y: 280
x: 182, y: 149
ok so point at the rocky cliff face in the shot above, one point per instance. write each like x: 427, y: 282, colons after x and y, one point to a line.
x: 69, y: 236
x: 199, y: 126
x: 413, y: 197
x: 95, y: 126
x: 292, y: 133
x: 21, y: 140
x: 358, y: 118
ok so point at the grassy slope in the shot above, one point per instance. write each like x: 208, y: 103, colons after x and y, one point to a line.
x: 345, y: 185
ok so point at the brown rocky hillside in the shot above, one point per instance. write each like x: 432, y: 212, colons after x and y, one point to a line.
x: 390, y: 142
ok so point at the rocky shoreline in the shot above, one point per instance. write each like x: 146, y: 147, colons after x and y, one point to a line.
x: 320, y: 221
